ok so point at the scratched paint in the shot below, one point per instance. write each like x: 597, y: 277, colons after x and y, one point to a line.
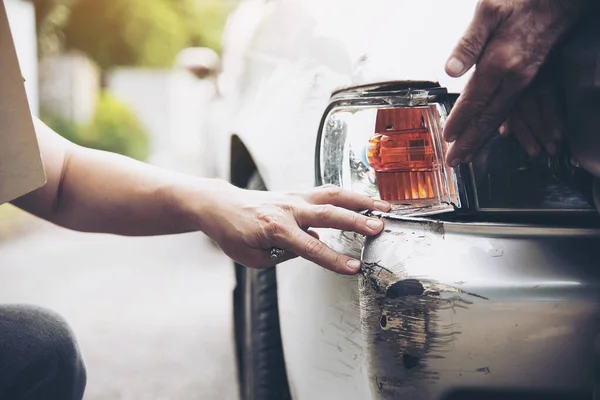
x: 429, y: 332
x: 402, y: 329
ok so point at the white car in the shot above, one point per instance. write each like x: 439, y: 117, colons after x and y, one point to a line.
x: 484, y: 283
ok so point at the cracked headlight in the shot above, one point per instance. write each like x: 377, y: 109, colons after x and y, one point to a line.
x: 388, y: 144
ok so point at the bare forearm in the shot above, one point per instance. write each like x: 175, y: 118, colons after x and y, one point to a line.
x: 104, y: 192
x: 95, y: 191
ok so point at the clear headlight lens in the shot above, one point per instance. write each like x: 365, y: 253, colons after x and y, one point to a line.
x: 388, y: 145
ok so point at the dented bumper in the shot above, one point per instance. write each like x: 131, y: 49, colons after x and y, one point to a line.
x: 454, y: 311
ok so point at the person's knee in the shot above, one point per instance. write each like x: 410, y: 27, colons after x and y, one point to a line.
x: 55, y: 365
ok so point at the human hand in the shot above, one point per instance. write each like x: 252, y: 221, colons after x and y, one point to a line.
x: 246, y: 224
x: 509, y: 41
x: 538, y: 118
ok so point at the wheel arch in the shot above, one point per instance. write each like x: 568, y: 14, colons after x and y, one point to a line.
x: 241, y: 162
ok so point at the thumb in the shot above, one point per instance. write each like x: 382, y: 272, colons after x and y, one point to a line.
x: 471, y: 45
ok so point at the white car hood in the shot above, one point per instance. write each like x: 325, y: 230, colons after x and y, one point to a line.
x: 392, y: 40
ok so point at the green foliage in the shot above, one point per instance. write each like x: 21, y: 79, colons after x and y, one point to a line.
x: 204, y: 20
x: 131, y: 32
x: 50, y: 17
x: 114, y: 128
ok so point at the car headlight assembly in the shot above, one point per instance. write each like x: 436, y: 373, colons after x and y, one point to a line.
x: 388, y: 144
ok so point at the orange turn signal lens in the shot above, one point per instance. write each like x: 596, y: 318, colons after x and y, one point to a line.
x: 388, y: 145
x: 405, y: 154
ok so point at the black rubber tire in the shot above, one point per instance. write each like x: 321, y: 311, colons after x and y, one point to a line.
x: 261, y: 367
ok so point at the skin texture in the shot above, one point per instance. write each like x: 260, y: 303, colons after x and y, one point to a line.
x: 538, y: 117
x: 95, y: 191
x: 509, y: 42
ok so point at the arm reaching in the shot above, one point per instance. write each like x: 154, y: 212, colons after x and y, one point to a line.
x: 94, y: 191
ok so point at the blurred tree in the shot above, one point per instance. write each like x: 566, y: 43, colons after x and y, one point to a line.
x: 130, y: 32
x: 113, y: 128
x: 204, y: 20
x: 126, y: 32
x: 51, y: 16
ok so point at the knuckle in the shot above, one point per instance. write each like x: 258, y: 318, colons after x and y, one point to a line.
x: 285, y: 209
x: 314, y: 249
x: 325, y: 211
x: 272, y: 225
x: 516, y: 69
x: 357, y: 220
x: 339, y: 260
x: 471, y: 46
x: 490, y: 10
x: 273, y: 229
x: 333, y: 192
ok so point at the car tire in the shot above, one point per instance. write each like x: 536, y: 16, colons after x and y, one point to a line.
x: 261, y: 367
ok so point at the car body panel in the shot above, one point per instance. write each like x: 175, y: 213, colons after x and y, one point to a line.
x: 325, y: 46
x: 297, y: 54
x: 456, y: 307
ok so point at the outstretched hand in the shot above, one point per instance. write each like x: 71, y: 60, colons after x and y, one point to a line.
x: 247, y: 224
x: 509, y: 41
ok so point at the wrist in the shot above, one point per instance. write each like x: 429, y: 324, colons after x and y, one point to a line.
x: 197, y: 203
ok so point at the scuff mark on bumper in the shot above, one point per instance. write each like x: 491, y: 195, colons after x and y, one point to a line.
x: 386, y: 282
x: 424, y: 336
x: 400, y: 315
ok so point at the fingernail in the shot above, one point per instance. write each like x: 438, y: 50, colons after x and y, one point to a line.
x: 382, y: 205
x: 455, y: 67
x: 353, y: 264
x: 374, y: 223
x: 551, y: 148
x: 454, y: 163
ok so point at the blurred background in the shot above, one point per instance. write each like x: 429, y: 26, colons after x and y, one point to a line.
x: 153, y: 315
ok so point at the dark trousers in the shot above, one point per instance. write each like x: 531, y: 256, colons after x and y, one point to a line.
x: 39, y: 356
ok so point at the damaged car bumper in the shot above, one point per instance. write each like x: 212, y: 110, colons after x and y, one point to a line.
x: 467, y: 310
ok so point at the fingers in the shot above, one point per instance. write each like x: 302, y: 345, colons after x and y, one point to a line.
x: 552, y: 129
x: 536, y: 121
x: 328, y: 216
x: 312, y: 249
x: 330, y: 194
x: 258, y: 258
x: 478, y: 113
x: 488, y: 98
x: 470, y: 47
x: 530, y: 127
x: 523, y: 134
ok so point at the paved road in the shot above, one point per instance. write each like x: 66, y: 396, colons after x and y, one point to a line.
x: 152, y: 314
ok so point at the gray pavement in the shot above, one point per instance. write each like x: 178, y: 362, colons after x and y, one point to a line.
x: 153, y: 315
